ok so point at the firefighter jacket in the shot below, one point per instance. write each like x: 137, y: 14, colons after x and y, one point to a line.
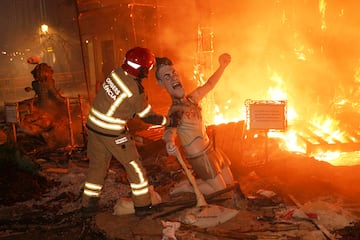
x: 120, y: 98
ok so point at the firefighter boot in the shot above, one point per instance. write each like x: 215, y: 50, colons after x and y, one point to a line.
x: 146, y: 210
x: 89, y: 210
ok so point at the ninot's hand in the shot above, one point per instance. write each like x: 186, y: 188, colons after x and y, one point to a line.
x: 224, y: 59
x: 171, y: 148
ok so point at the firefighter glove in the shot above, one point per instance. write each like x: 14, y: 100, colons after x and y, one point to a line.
x: 175, y: 118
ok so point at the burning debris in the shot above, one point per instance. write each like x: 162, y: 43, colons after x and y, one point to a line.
x: 50, y: 199
x: 271, y: 181
x: 51, y: 163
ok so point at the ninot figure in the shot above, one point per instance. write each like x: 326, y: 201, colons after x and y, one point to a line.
x: 211, y: 166
x: 47, y: 96
x: 120, y: 97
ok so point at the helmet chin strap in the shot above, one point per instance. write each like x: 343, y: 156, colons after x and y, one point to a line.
x: 143, y: 73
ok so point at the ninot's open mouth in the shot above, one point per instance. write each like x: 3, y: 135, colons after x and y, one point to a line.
x: 177, y: 85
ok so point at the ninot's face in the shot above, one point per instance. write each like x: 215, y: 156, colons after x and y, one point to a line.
x: 170, y: 80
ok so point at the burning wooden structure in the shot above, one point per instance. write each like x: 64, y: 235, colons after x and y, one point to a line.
x: 318, y: 141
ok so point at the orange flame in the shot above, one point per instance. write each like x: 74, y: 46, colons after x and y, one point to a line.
x: 322, y: 127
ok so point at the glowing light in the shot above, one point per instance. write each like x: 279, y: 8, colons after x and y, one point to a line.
x: 44, y: 28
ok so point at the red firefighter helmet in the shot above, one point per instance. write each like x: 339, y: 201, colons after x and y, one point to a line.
x: 138, y: 62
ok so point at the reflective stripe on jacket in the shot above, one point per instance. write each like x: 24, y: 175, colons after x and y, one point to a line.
x: 120, y: 98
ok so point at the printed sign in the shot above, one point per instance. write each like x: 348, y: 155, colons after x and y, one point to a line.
x: 11, y: 112
x: 266, y: 115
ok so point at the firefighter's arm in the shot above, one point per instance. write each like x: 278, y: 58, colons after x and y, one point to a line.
x: 170, y: 130
x: 153, y: 118
x: 200, y: 92
x: 146, y: 114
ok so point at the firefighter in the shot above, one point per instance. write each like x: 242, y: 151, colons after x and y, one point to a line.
x: 121, y: 97
x: 210, y: 164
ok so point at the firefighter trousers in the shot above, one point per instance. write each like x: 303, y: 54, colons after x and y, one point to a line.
x: 100, y: 150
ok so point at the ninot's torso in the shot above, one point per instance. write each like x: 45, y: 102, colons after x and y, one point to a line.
x: 191, y: 127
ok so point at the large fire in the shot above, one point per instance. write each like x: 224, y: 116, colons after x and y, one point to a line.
x: 315, y: 137
x: 301, y: 65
